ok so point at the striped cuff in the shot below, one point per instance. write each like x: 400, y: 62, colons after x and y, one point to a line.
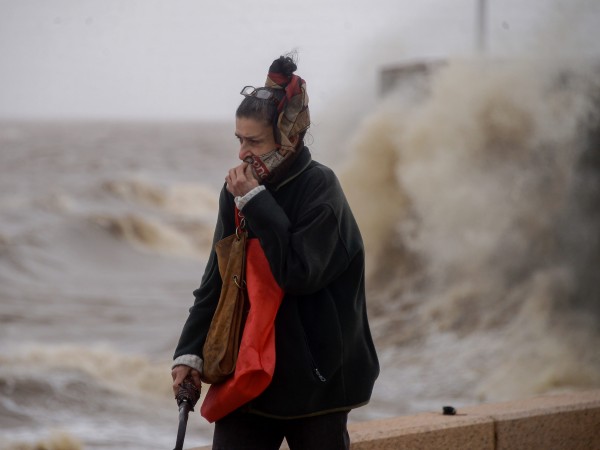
x: 240, y: 202
x: 193, y: 361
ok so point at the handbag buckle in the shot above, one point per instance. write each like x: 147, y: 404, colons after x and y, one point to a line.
x: 236, y: 281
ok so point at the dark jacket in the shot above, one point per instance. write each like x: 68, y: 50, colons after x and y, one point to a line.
x: 325, y: 357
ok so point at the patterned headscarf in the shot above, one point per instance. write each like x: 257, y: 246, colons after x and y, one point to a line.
x: 293, y: 118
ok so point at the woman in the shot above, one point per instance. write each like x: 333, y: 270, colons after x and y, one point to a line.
x: 326, y: 362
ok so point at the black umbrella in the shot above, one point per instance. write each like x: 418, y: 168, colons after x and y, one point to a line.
x: 187, y: 397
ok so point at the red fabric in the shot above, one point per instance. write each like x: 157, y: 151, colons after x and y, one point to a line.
x: 260, y: 168
x: 256, y: 360
x: 278, y: 78
x: 292, y: 86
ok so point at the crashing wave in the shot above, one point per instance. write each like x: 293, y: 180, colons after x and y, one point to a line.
x: 477, y: 198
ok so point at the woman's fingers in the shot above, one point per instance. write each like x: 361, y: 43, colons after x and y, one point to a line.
x: 196, y: 378
x: 240, y: 180
x: 179, y: 373
x: 249, y: 172
x: 232, y: 180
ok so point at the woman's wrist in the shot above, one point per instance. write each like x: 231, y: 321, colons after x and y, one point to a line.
x: 193, y: 361
x: 240, y: 201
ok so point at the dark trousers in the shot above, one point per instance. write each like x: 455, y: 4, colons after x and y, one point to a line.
x: 245, y: 431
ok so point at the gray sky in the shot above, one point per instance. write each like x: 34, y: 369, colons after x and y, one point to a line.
x: 171, y: 59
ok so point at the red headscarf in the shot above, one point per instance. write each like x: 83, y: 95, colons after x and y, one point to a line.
x: 294, y: 117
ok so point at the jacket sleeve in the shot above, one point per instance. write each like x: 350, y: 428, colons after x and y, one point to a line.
x: 207, y: 295
x: 307, y: 254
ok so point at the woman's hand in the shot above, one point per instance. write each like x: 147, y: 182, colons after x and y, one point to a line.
x: 180, y: 373
x: 240, y: 180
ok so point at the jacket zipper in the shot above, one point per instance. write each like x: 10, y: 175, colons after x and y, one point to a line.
x: 319, y: 376
x: 315, y: 368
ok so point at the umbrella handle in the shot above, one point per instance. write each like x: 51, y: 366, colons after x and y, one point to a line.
x: 187, y: 397
x: 188, y: 392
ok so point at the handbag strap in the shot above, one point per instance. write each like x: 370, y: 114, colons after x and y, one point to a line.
x: 240, y: 233
x: 240, y: 222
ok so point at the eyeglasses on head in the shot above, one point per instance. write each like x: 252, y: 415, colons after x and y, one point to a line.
x: 261, y: 92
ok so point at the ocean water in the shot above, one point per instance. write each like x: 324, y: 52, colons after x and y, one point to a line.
x: 477, y: 191
x: 104, y: 232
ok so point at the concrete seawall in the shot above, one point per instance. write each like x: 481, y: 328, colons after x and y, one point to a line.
x: 555, y: 422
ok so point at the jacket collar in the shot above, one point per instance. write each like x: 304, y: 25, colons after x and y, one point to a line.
x: 298, y: 166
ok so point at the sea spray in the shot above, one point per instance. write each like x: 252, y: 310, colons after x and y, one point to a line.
x: 176, y: 219
x: 113, y: 370
x: 95, y: 394
x: 146, y: 233
x: 473, y: 179
x: 58, y: 440
x: 182, y: 199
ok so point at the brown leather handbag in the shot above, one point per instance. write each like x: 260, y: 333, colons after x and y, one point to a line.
x: 222, y: 344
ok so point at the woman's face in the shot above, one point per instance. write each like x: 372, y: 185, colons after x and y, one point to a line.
x: 256, y: 137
